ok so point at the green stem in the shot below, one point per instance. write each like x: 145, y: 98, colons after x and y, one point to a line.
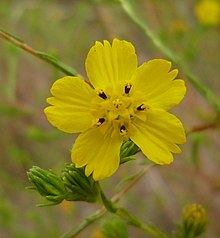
x: 45, y: 57
x: 109, y: 205
x: 88, y: 221
x: 203, y: 90
x: 73, y: 232
x: 12, y: 62
x: 131, y: 219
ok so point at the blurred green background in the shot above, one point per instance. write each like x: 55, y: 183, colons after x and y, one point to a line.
x: 67, y: 29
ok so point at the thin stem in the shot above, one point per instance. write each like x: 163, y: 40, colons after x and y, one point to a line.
x: 12, y: 62
x: 100, y: 212
x: 45, y: 57
x: 131, y: 184
x: 132, y: 220
x: 109, y: 205
x: 203, y: 90
x: 203, y: 127
x: 85, y: 223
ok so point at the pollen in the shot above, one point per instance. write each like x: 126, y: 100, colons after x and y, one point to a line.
x: 123, y: 131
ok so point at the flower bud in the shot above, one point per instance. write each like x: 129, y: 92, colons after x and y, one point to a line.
x: 79, y: 186
x: 48, y: 184
x: 194, y: 220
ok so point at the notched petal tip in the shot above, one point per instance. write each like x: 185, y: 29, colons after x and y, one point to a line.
x: 108, y: 64
x: 98, y: 152
x: 182, y: 86
x: 167, y: 161
x: 61, y: 82
x: 173, y: 73
x: 160, y: 160
x: 184, y: 140
x: 50, y: 100
x: 161, y: 63
x: 46, y: 110
x: 70, y: 110
x: 106, y: 43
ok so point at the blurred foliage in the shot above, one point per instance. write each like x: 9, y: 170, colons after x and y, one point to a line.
x: 114, y: 227
x: 66, y: 30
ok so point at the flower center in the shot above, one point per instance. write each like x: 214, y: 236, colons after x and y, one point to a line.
x: 117, y: 103
x: 117, y: 111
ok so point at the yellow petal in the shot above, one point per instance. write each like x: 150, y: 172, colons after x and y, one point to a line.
x: 157, y: 85
x: 170, y: 96
x: 100, y: 153
x: 158, y: 135
x: 108, y: 65
x: 70, y: 110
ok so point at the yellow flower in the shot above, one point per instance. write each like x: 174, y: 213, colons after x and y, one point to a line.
x: 208, y: 12
x: 125, y: 101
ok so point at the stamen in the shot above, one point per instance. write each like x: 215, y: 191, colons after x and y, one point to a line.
x: 123, y: 130
x: 127, y: 88
x: 100, y: 121
x: 102, y: 94
x: 142, y: 107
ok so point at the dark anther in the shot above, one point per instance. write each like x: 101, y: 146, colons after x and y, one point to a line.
x: 101, y: 120
x: 102, y: 95
x: 142, y: 107
x: 122, y: 128
x: 127, y: 88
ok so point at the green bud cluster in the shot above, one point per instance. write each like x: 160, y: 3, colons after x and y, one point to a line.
x: 80, y: 187
x: 72, y: 185
x: 128, y: 151
x: 48, y: 184
x: 194, y: 221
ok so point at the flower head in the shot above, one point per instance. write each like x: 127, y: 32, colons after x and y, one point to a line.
x: 125, y: 101
x: 208, y: 12
x: 194, y: 220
